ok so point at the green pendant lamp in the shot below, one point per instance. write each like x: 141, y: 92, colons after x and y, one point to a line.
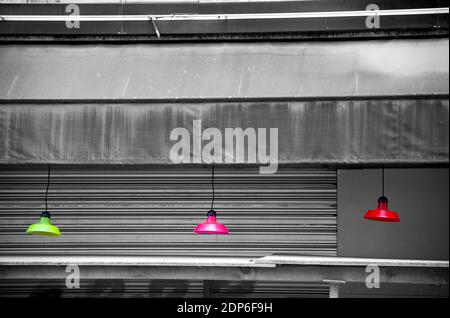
x: 44, y: 227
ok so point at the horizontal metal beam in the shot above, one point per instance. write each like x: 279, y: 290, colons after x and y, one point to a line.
x: 212, y: 99
x: 266, y: 261
x: 306, y: 269
x: 348, y: 261
x: 234, y: 37
x: 313, y: 273
x: 131, y: 261
x: 214, y: 17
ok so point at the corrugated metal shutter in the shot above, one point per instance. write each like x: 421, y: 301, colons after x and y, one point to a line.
x: 152, y: 210
x: 157, y: 289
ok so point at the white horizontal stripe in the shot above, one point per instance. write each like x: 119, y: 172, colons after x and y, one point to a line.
x: 130, y: 261
x: 267, y: 261
x: 212, y: 17
x: 347, y: 261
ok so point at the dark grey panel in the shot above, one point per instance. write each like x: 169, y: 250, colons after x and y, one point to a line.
x: 355, y: 290
x: 420, y: 197
x: 431, y: 21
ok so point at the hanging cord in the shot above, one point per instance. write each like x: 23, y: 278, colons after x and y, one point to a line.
x: 46, y: 191
x: 213, y: 191
x: 382, y: 180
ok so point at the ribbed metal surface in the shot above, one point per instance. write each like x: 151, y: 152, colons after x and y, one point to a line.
x: 156, y: 289
x: 152, y: 210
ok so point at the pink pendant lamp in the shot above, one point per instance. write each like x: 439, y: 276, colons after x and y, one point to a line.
x: 382, y: 212
x: 210, y: 226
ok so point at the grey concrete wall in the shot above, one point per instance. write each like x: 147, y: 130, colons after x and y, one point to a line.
x: 421, y: 198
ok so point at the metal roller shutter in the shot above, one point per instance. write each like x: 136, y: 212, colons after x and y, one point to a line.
x: 156, y: 289
x: 152, y: 210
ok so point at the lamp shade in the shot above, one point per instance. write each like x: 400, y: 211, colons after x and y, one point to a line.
x: 210, y: 226
x: 382, y: 212
x: 44, y: 227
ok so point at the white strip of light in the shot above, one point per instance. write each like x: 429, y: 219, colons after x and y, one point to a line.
x: 214, y: 17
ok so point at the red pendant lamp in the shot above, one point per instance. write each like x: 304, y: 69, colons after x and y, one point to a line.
x: 382, y: 212
x: 210, y: 226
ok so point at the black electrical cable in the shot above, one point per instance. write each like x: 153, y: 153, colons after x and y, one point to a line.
x: 382, y: 179
x: 46, y: 191
x: 213, y: 191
